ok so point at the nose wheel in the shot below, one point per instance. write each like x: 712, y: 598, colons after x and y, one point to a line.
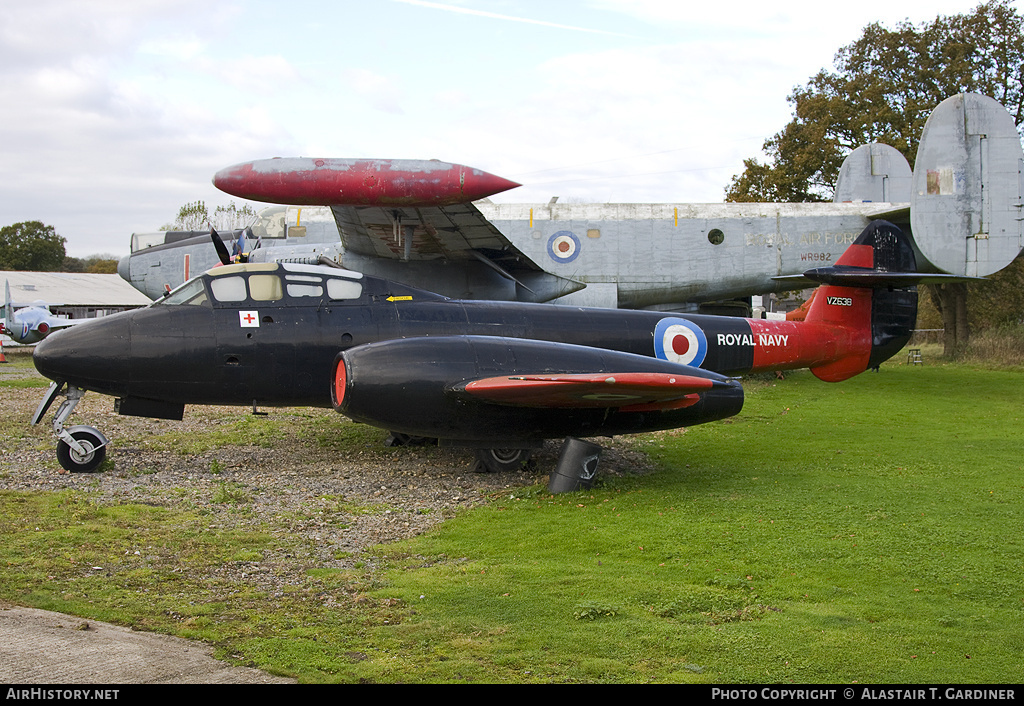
x: 92, y: 449
x: 80, y: 449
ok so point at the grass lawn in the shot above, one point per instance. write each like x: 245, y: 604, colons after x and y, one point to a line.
x: 863, y: 532
x: 867, y: 531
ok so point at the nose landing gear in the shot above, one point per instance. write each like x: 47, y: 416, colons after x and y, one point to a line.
x: 93, y: 447
x: 80, y: 449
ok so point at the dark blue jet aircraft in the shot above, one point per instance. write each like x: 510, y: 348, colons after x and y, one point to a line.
x: 499, y: 377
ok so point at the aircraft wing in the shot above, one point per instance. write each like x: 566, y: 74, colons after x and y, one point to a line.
x: 399, y: 209
x: 455, y: 232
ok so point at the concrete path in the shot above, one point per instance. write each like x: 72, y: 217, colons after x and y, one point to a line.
x: 40, y: 647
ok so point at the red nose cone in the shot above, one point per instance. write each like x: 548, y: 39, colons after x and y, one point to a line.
x: 355, y: 182
x: 480, y: 185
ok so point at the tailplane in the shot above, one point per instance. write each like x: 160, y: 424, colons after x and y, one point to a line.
x: 965, y: 200
x: 963, y: 197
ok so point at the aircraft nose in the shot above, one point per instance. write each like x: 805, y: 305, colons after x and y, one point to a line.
x: 124, y: 268
x: 91, y: 355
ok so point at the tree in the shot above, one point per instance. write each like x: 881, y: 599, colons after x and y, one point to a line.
x: 231, y: 216
x: 884, y: 86
x: 101, y: 265
x: 31, y: 246
x: 94, y: 264
x: 192, y: 216
x: 999, y: 302
x: 196, y: 216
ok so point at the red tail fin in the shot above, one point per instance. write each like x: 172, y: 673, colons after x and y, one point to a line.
x: 849, y: 328
x: 847, y: 312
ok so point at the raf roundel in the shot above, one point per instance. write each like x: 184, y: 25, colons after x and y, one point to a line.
x: 563, y: 246
x: 680, y: 341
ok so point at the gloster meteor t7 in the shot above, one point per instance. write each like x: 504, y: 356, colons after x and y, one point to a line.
x: 500, y: 377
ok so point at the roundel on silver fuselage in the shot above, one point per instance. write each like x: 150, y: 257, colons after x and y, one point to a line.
x: 563, y: 246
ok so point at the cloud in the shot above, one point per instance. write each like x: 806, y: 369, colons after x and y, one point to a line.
x: 506, y: 18
x: 382, y: 92
x: 185, y: 48
x: 266, y: 73
x: 658, y: 123
x: 113, y: 115
x: 100, y: 142
x: 804, y: 17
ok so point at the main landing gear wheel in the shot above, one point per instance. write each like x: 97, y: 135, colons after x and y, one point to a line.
x: 95, y: 451
x: 501, y: 460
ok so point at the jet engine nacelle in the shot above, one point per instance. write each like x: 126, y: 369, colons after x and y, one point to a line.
x: 418, y: 386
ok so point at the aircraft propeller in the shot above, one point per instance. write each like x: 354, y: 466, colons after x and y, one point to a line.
x: 222, y: 251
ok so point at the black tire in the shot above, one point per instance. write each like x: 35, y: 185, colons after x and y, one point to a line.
x: 501, y: 460
x: 73, y: 462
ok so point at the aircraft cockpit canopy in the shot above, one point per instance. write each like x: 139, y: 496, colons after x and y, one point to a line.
x: 270, y: 223
x: 284, y: 283
x: 191, y: 293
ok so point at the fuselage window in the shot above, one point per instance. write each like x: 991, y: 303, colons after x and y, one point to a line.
x: 192, y: 293
x: 265, y: 288
x: 228, y: 289
x: 305, y: 290
x: 343, y: 289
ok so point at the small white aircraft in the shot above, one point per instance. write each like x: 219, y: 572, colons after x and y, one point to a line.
x: 32, y: 323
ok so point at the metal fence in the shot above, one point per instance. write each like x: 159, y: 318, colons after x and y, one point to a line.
x: 926, y: 335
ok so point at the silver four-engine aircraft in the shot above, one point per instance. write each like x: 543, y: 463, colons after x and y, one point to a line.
x: 961, y: 206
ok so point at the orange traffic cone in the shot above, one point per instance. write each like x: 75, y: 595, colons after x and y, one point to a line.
x: 2, y: 359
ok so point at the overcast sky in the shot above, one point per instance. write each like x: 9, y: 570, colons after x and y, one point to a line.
x: 114, y: 113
